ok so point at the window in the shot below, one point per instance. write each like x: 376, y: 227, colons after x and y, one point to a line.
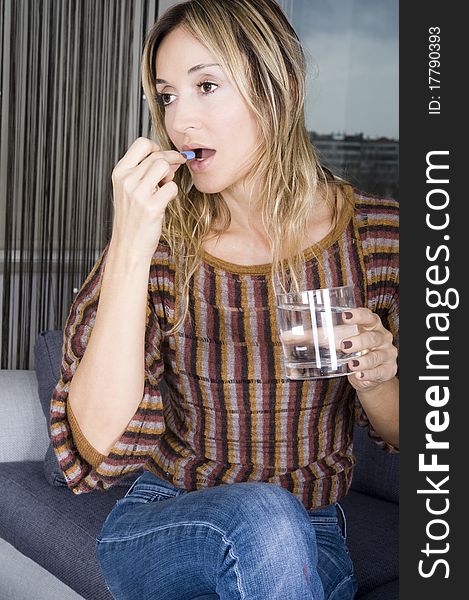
x: 351, y: 48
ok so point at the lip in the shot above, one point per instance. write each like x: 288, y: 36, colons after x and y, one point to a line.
x: 197, y: 166
x: 194, y: 146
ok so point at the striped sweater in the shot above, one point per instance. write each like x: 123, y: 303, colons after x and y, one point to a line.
x: 217, y: 407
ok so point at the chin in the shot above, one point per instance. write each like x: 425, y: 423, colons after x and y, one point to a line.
x: 208, y: 188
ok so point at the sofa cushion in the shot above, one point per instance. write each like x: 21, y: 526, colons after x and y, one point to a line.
x: 53, y: 527
x: 48, y: 357
x: 373, y: 541
x: 24, y: 434
x: 376, y: 472
x: 387, y: 591
x: 23, y: 578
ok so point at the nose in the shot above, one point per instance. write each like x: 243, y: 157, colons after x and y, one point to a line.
x: 184, y: 115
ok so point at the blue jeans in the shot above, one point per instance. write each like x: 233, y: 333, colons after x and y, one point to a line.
x: 252, y: 541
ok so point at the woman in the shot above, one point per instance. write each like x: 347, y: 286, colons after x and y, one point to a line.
x: 244, y: 468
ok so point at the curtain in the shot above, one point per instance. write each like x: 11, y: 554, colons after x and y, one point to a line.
x: 71, y: 104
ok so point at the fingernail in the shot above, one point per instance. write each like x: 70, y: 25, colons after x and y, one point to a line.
x: 348, y: 315
x: 347, y: 344
x: 355, y: 363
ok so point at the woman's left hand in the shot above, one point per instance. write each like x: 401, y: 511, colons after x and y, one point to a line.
x: 379, y: 361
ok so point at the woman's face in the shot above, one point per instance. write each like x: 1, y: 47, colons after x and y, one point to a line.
x: 204, y: 109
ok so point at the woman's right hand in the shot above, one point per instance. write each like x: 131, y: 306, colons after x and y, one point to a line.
x: 142, y: 187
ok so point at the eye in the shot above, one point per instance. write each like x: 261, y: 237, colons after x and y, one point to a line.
x: 203, y: 85
x: 164, y: 99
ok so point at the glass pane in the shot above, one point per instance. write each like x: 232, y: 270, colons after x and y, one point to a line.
x: 352, y: 53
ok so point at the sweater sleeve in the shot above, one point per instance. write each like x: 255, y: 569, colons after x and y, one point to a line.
x: 84, y: 468
x: 380, y: 246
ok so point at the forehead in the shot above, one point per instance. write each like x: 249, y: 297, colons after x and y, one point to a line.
x: 180, y: 50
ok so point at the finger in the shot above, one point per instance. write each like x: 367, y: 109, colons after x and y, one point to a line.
x: 359, y: 382
x: 321, y: 335
x: 363, y: 317
x: 137, y: 152
x: 158, y: 174
x: 173, y: 169
x: 377, y: 375
x: 172, y: 158
x: 156, y: 171
x: 154, y: 168
x: 166, y: 193
x: 370, y: 360
x: 363, y: 341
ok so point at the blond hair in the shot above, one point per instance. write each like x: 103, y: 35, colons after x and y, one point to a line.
x: 261, y: 53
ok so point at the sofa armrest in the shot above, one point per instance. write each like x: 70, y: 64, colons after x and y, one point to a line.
x: 24, y: 430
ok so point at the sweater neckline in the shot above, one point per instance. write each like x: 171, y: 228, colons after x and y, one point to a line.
x: 308, y: 253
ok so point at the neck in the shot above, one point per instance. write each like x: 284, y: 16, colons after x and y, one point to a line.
x: 242, y: 202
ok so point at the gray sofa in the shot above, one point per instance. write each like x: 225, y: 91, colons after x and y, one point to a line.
x: 47, y: 548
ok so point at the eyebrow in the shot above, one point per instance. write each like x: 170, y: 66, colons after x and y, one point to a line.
x: 192, y: 70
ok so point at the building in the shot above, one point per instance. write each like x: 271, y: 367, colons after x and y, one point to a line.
x: 371, y: 165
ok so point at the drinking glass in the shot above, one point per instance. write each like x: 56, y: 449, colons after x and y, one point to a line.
x: 312, y: 327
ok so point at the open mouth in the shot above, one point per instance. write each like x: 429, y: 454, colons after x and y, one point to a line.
x: 202, y: 153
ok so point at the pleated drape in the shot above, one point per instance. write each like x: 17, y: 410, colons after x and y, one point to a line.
x: 71, y: 104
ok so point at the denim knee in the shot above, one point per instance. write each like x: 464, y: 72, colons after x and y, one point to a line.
x: 266, y: 501
x: 273, y: 520
x: 271, y: 536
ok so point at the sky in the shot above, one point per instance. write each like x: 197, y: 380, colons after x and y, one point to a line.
x: 353, y: 58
